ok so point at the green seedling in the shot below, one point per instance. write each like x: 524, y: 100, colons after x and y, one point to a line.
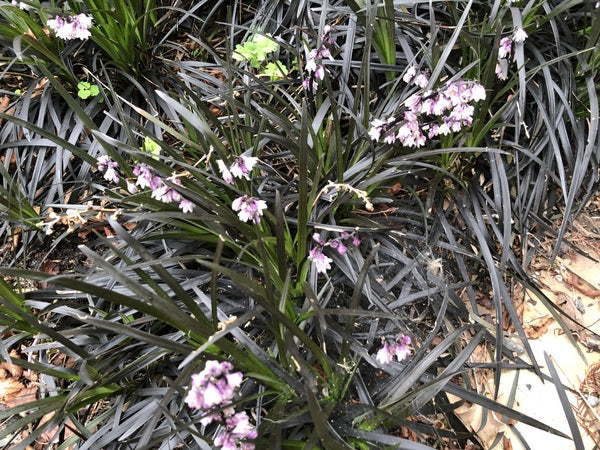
x: 151, y: 146
x: 86, y: 90
x: 255, y: 50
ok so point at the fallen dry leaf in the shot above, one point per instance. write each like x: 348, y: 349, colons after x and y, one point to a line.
x: 9, y: 386
x: 582, y: 285
x: 52, y: 436
x: 26, y: 395
x: 14, y: 370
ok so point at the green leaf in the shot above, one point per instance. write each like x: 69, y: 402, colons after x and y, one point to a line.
x: 151, y: 146
x: 255, y: 50
x: 275, y: 71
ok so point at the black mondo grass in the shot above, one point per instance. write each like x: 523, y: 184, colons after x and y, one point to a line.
x: 271, y: 224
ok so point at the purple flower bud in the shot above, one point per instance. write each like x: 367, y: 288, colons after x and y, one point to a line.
x: 341, y: 248
x: 317, y: 238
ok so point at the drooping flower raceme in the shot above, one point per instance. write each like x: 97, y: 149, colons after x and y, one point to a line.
x: 430, y: 114
x: 249, y: 208
x: 323, y: 262
x: 314, y: 67
x: 146, y: 179
x: 71, y: 27
x: 505, y: 49
x: 398, y: 348
x: 212, y: 391
x: 214, y: 387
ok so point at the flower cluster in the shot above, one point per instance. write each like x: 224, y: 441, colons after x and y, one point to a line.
x: 323, y: 262
x: 432, y: 113
x: 504, y: 51
x: 249, y: 208
x: 241, y: 168
x: 314, y: 68
x: 212, y: 391
x: 109, y: 167
x: 71, y: 27
x: 146, y: 179
x: 398, y: 348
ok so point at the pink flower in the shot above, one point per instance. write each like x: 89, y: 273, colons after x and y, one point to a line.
x: 145, y: 177
x: 166, y: 193
x: 505, y: 47
x: 402, y: 350
x: 320, y: 72
x: 237, y: 429
x: 186, y: 206
x: 211, y: 387
x: 477, y: 92
x: 317, y: 238
x: 399, y: 348
x: 410, y: 74
x: 249, y: 208
x: 376, y: 129
x: 131, y: 187
x: 241, y: 427
x: 385, y: 354
x: 108, y: 166
x: 322, y: 262
x: 421, y: 80
x: 242, y: 166
x: 71, y: 27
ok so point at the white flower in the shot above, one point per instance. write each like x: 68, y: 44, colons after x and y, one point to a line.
x: 519, y: 35
x: 322, y: 261
x: 225, y: 173
x: 410, y: 74
x: 186, y: 206
x: 477, y: 92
